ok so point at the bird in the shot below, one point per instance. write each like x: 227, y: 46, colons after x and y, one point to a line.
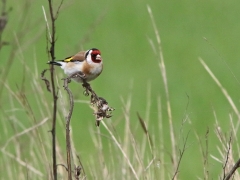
x: 87, y: 62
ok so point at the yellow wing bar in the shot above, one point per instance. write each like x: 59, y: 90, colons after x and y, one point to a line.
x: 68, y: 59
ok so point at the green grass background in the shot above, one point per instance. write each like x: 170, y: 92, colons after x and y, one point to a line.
x: 120, y: 29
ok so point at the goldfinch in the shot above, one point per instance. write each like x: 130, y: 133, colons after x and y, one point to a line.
x: 88, y: 62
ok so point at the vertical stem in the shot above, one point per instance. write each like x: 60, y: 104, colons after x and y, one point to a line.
x: 164, y: 76
x: 52, y: 53
x: 54, y: 126
x: 68, y: 119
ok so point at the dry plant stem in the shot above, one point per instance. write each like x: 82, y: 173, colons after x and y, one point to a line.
x: 180, y: 158
x: 23, y: 133
x: 77, y: 172
x: 144, y: 127
x: 63, y: 166
x: 229, y: 175
x: 47, y: 83
x: 68, y: 119
x: 54, y: 93
x: 164, y: 76
x: 103, y: 110
x: 82, y: 168
x: 122, y: 151
x: 228, y: 151
x: 205, y: 156
x: 224, y: 91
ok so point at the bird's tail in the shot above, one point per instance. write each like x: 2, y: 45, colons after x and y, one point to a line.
x: 54, y: 63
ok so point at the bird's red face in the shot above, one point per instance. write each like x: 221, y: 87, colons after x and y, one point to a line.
x: 96, y: 56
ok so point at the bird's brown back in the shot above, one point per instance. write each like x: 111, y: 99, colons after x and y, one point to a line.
x: 80, y: 56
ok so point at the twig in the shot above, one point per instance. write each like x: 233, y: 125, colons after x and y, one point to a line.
x: 103, y: 112
x: 81, y: 165
x: 63, y: 166
x: 228, y: 151
x: 144, y: 127
x: 47, y: 83
x: 204, y: 152
x: 54, y: 93
x: 205, y: 156
x: 77, y: 172
x: 181, y: 155
x: 68, y: 119
x: 232, y: 171
x: 224, y: 91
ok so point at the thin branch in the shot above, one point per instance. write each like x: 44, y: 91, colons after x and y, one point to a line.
x: 47, y: 83
x: 224, y: 91
x: 232, y: 171
x: 52, y: 35
x: 68, y: 119
x: 144, y: 127
x: 103, y: 111
x: 77, y: 172
x: 228, y: 152
x: 63, y: 166
x: 58, y: 10
x: 81, y: 165
x: 205, y: 156
x: 180, y: 158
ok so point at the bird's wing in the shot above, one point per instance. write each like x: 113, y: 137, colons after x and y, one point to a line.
x: 77, y: 57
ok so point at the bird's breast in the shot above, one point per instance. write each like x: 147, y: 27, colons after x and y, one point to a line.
x: 92, y: 69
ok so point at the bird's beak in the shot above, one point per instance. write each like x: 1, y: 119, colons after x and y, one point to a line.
x: 98, y: 58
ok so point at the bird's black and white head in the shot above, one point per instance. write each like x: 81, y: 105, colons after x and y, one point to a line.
x: 93, y: 56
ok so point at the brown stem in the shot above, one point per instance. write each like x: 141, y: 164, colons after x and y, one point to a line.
x: 68, y: 119
x: 229, y: 175
x: 54, y: 93
x: 228, y: 152
x: 180, y: 158
x: 103, y: 112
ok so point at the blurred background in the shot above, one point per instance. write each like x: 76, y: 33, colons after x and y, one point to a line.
x: 122, y: 30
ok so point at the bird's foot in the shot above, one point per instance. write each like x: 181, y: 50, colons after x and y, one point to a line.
x: 78, y: 75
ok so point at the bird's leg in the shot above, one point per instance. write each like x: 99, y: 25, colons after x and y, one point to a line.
x: 87, y: 88
x: 66, y: 81
x: 79, y: 74
x: 86, y: 85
